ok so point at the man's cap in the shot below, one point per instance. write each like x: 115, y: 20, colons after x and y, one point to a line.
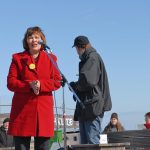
x: 114, y: 115
x: 80, y: 40
x: 6, y: 120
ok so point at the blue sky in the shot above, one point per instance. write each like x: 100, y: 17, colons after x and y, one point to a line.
x: 119, y: 30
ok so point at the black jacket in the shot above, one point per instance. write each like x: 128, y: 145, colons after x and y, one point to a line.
x: 5, y: 139
x: 92, y: 87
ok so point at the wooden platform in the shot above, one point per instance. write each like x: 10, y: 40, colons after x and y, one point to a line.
x: 111, y: 146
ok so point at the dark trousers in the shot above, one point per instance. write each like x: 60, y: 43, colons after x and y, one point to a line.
x: 40, y: 143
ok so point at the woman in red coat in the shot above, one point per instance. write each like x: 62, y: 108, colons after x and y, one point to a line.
x: 32, y: 77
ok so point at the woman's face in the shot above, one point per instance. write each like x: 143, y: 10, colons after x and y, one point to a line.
x: 147, y: 120
x: 33, y: 44
x: 114, y: 121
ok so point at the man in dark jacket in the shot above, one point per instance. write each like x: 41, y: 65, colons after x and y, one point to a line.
x: 92, y: 89
x: 5, y: 139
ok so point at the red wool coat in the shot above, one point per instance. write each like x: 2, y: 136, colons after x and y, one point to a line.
x: 32, y: 115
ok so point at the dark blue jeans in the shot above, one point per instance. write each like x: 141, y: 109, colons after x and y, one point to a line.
x: 90, y: 131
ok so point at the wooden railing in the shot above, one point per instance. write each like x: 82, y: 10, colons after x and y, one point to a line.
x: 138, y: 139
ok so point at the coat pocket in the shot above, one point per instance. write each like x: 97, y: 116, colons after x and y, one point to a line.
x: 93, y: 108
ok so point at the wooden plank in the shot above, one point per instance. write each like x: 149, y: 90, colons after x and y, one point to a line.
x: 13, y: 148
x: 111, y: 146
x: 7, y: 148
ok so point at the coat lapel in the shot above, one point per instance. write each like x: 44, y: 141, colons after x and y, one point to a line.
x: 40, y: 61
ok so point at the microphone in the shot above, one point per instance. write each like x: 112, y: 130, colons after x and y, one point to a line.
x: 44, y: 45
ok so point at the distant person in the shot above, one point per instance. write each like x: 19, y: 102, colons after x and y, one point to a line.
x: 5, y: 139
x: 93, y: 90
x: 114, y: 125
x: 147, y: 120
x: 32, y: 77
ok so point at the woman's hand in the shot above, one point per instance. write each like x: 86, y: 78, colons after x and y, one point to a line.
x: 35, y: 85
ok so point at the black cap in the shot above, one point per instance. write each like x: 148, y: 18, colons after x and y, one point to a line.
x: 6, y: 120
x: 80, y: 40
x: 114, y: 115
